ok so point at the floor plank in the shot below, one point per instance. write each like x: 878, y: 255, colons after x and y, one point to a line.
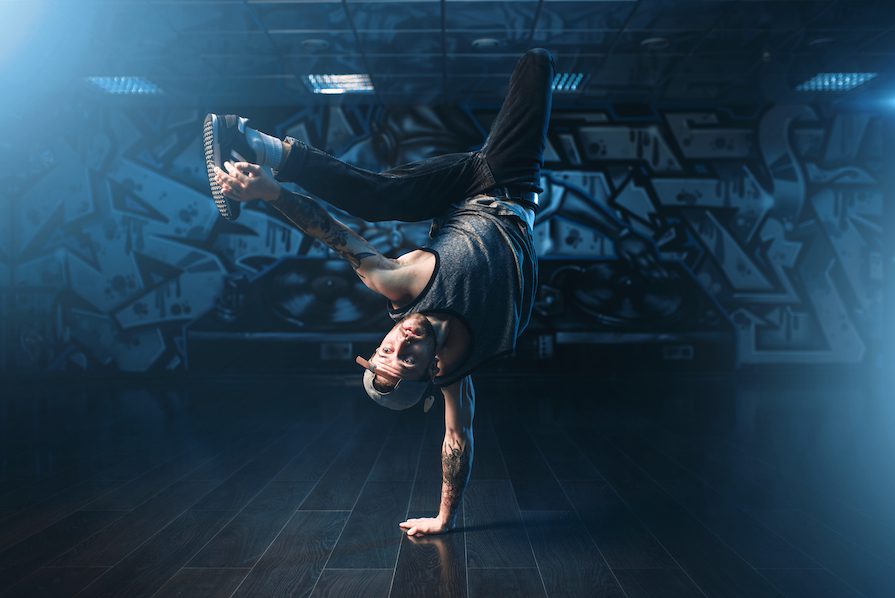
x: 816, y: 583
x: 108, y: 546
x: 486, y: 583
x: 657, y: 583
x: 495, y: 534
x: 23, y: 558
x: 242, y: 541
x: 148, y: 568
x: 489, y: 463
x: 371, y: 536
x: 45, y: 513
x: 294, y: 561
x: 709, y: 562
x: 620, y: 535
x: 565, y: 459
x: 426, y: 496
x: 245, y: 483
x: 310, y: 464
x: 131, y: 495
x: 400, y: 454
x: 534, y: 484
x: 55, y: 581
x: 209, y: 583
x: 431, y: 566
x: 340, y: 486
x: 338, y: 583
x: 569, y: 561
x: 749, y: 538
x: 234, y: 457
x: 860, y: 569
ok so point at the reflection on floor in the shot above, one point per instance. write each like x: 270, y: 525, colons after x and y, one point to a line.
x: 647, y: 487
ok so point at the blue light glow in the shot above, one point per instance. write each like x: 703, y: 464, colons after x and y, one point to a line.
x: 339, y: 84
x: 567, y: 82
x: 835, y: 81
x: 126, y: 85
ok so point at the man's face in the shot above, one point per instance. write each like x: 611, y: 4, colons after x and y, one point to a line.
x: 407, y: 351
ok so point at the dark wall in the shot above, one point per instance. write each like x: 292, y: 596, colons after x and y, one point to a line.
x: 771, y: 224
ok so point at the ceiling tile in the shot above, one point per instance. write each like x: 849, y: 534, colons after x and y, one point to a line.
x: 248, y: 43
x: 327, y: 64
x: 507, y: 42
x: 742, y: 42
x: 390, y: 16
x: 118, y: 26
x: 471, y: 84
x: 495, y: 65
x: 678, y: 14
x: 631, y: 41
x: 565, y: 15
x: 401, y: 42
x: 857, y: 14
x: 632, y: 70
x: 314, y: 42
x: 585, y: 40
x: 205, y: 16
x: 883, y: 43
x: 788, y: 15
x: 825, y: 41
x: 408, y: 65
x: 302, y: 16
x: 492, y: 16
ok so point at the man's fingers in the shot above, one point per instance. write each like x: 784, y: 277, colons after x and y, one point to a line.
x: 236, y: 172
x: 411, y: 531
x: 248, y: 167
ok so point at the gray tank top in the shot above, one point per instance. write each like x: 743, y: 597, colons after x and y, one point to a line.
x: 485, y: 274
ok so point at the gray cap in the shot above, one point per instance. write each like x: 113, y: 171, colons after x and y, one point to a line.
x: 404, y: 395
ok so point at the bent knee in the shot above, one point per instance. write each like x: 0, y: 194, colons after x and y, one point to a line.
x: 539, y: 55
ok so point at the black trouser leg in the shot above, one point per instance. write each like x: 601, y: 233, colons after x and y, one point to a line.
x: 515, y: 146
x: 412, y: 192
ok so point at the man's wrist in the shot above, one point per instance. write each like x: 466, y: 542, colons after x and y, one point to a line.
x: 276, y: 198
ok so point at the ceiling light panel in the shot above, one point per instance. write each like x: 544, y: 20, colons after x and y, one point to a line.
x: 832, y: 82
x: 567, y: 82
x: 340, y: 84
x: 126, y: 85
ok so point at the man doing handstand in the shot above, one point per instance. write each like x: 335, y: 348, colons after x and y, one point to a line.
x: 458, y: 302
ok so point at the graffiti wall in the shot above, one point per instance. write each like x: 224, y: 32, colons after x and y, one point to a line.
x: 113, y: 252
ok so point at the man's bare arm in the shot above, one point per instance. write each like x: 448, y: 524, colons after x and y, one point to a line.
x: 456, y: 459
x: 312, y: 219
x: 244, y: 181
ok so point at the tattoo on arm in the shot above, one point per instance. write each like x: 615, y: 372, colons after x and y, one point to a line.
x: 314, y: 220
x: 456, y: 465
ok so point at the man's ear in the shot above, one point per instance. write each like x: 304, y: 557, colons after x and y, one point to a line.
x: 433, y: 369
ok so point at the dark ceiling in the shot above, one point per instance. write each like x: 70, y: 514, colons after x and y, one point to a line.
x: 426, y: 52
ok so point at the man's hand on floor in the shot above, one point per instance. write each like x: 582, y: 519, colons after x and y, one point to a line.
x: 424, y: 526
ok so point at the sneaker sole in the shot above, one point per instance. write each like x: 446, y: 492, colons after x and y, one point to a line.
x: 226, y: 207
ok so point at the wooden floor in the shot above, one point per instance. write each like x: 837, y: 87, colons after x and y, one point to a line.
x: 643, y: 487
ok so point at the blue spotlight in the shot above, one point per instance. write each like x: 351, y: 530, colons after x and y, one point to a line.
x: 835, y: 81
x: 126, y: 85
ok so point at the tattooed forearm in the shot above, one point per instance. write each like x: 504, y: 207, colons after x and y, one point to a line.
x: 312, y: 219
x: 456, y: 466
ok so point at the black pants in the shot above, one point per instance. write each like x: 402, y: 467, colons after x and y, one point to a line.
x: 512, y: 156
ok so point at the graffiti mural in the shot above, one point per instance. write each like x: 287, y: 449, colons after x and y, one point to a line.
x: 113, y: 248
